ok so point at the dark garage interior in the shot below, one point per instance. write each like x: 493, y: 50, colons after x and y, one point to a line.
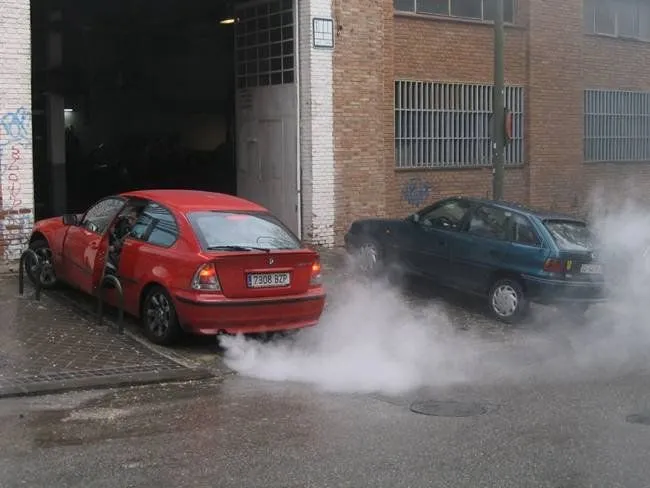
x: 146, y: 88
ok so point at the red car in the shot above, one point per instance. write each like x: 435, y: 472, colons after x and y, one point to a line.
x: 188, y: 261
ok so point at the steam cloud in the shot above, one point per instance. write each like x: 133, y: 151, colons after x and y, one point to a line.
x: 372, y: 340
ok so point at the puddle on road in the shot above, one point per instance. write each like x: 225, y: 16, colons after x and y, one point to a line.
x: 82, y: 418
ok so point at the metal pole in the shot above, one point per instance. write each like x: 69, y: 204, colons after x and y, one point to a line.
x: 498, y: 116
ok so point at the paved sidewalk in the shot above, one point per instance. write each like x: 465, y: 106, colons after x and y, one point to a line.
x: 46, y: 346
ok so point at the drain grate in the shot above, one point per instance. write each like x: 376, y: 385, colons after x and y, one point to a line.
x: 449, y: 408
x: 638, y: 418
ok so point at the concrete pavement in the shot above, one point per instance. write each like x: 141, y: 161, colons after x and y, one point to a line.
x: 48, y: 346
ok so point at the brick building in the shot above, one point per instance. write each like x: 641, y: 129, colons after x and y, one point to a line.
x: 563, y: 59
x: 395, y: 113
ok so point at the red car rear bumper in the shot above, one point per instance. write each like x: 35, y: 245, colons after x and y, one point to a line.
x: 204, y: 313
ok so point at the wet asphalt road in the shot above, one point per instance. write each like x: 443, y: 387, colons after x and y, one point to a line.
x: 246, y: 433
x: 556, y: 431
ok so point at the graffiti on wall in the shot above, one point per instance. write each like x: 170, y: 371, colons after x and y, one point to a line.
x: 416, y: 192
x: 15, y: 127
x: 16, y: 216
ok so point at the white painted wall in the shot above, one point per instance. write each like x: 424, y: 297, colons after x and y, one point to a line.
x: 16, y: 160
x: 316, y: 127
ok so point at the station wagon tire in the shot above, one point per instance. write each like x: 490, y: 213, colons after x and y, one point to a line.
x: 507, y: 301
x: 47, y: 276
x: 159, y: 317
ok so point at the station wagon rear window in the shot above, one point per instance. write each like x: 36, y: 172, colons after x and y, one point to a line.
x: 238, y: 231
x: 570, y: 235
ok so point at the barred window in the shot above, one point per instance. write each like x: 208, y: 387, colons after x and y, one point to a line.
x: 618, y: 18
x: 449, y: 125
x: 468, y: 9
x: 617, y: 126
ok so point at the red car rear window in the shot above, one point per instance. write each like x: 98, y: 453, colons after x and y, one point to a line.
x: 217, y: 230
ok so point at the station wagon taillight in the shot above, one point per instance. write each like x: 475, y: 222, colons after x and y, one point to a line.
x: 206, y: 279
x: 556, y: 265
x: 316, y: 275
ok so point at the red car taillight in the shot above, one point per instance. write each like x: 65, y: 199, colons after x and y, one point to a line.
x: 316, y: 275
x: 206, y: 279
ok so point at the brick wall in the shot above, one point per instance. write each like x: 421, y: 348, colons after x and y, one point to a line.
x: 546, y: 52
x: 450, y: 51
x: 363, y: 45
x: 616, y: 64
x: 555, y: 104
x: 16, y: 183
x: 316, y: 128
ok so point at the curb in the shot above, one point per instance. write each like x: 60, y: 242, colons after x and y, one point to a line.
x: 106, y: 383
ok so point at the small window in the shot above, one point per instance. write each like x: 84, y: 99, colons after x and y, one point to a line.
x: 439, y: 7
x: 605, y: 18
x: 448, y: 215
x: 489, y: 222
x: 523, y: 231
x: 627, y: 19
x: 588, y: 16
x: 404, y: 5
x: 469, y: 9
x: 99, y: 216
x: 156, y: 225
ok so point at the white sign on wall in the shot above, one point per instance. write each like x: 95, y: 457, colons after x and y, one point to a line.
x: 323, y: 33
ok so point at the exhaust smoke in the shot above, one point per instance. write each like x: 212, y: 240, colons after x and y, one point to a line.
x: 373, y: 339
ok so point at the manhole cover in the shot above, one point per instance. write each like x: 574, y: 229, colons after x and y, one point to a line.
x: 639, y: 418
x: 449, y: 409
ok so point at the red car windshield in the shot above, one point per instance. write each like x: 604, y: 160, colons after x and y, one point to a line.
x: 241, y: 231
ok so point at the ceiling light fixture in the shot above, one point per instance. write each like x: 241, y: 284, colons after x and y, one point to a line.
x: 228, y: 21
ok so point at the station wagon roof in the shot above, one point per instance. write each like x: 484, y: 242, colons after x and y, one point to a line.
x: 195, y: 200
x: 517, y: 207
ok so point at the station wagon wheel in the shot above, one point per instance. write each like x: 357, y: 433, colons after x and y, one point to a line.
x: 507, y: 300
x: 160, y: 318
x: 47, y: 276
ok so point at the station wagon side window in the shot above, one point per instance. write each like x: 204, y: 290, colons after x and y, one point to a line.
x: 489, y: 222
x: 156, y: 225
x: 523, y: 231
x: 446, y: 215
x: 99, y: 216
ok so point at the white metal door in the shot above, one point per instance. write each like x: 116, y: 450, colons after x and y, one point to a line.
x: 266, y: 108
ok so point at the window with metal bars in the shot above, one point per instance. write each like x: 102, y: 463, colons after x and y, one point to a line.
x: 265, y: 44
x: 616, y: 126
x: 467, y: 9
x: 449, y: 125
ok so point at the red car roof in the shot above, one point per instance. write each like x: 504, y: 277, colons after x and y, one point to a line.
x: 194, y: 200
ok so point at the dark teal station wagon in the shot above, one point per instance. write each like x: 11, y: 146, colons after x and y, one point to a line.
x: 508, y: 253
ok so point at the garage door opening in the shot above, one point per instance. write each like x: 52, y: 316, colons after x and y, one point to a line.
x: 132, y: 94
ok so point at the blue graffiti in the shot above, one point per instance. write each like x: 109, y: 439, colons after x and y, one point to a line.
x: 15, y: 127
x: 416, y: 191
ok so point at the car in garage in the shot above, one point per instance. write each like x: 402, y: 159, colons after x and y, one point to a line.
x: 193, y: 261
x: 510, y: 254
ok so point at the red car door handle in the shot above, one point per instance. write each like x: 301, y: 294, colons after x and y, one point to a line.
x: 94, y: 245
